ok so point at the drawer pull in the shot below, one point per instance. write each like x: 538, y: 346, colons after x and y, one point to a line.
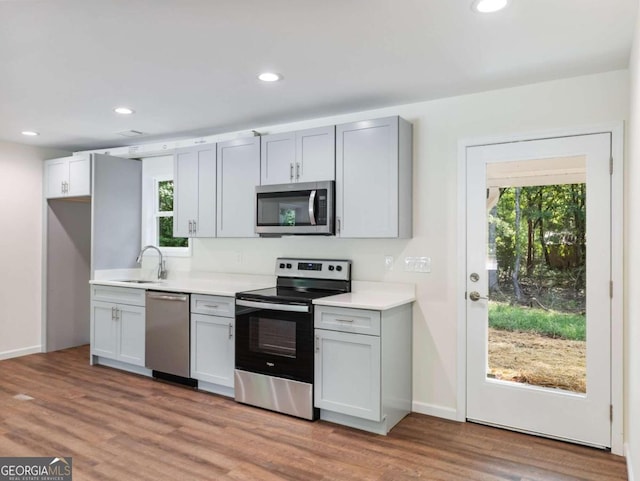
x: 344, y: 320
x: 212, y: 306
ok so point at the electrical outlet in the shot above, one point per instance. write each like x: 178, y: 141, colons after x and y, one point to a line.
x: 423, y: 264
x: 388, y: 263
x: 409, y: 264
x: 417, y: 264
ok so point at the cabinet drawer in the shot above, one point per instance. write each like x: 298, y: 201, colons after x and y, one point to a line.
x: 122, y: 295
x: 359, y: 321
x: 213, y: 305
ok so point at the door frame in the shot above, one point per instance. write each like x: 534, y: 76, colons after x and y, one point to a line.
x: 616, y: 129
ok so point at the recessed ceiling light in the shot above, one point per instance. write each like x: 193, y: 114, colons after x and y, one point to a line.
x: 30, y: 133
x: 123, y: 110
x: 269, y: 77
x: 489, y: 6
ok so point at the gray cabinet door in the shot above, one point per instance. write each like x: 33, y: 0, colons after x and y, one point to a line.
x: 277, y: 158
x: 194, y: 212
x: 185, y: 184
x: 104, y: 340
x: 205, y: 222
x: 315, y: 154
x: 79, y: 176
x: 238, y: 176
x: 367, y: 178
x: 347, y: 374
x: 131, y: 329
x: 56, y: 174
x: 212, y: 349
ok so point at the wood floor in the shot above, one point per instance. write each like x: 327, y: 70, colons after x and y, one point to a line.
x: 120, y: 426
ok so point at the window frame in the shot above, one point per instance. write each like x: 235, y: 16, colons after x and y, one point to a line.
x: 152, y: 234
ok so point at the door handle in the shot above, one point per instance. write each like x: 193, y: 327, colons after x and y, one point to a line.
x: 312, y: 210
x: 475, y: 296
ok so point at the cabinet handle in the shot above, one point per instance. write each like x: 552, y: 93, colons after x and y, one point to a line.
x: 339, y: 224
x: 291, y: 171
x: 113, y: 313
x: 297, y: 170
x: 317, y: 346
x: 230, y: 330
x: 344, y: 320
x: 62, y: 187
x: 66, y: 187
x: 212, y: 306
x: 195, y: 227
x: 190, y: 228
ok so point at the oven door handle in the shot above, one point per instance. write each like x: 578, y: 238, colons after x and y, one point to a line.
x: 272, y: 306
x: 312, y: 207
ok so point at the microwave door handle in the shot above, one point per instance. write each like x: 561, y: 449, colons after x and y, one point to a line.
x: 312, y: 208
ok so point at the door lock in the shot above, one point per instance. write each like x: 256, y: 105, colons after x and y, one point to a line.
x: 475, y: 296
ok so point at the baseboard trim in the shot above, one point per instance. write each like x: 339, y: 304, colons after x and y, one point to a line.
x: 629, y: 466
x: 434, y: 410
x: 20, y: 352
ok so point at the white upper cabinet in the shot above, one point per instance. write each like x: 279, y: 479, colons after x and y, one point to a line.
x: 373, y: 179
x: 278, y: 157
x: 302, y: 156
x: 238, y: 176
x: 194, y: 205
x: 68, y: 177
x: 315, y: 154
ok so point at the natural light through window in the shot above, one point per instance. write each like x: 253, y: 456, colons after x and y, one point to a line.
x: 157, y: 207
x: 164, y: 216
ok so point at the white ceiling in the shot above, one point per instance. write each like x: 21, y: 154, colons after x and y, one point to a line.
x: 188, y: 67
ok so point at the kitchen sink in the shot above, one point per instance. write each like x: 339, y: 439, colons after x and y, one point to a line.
x: 136, y: 281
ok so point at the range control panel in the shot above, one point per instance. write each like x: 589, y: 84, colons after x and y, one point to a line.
x: 314, y: 268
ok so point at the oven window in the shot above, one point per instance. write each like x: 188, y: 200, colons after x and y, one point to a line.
x: 273, y: 336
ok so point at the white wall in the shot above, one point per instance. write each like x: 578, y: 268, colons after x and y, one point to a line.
x: 632, y: 261
x: 438, y: 125
x: 21, y: 210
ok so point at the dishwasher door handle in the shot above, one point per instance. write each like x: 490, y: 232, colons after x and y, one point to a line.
x: 168, y: 297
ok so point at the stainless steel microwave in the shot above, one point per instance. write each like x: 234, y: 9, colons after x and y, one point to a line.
x: 303, y: 208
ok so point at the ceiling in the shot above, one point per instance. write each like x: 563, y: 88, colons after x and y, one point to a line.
x: 189, y: 67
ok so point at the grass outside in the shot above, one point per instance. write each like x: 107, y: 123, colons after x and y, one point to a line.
x: 538, y: 347
x: 553, y: 324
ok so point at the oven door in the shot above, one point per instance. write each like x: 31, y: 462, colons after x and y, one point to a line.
x: 275, y: 339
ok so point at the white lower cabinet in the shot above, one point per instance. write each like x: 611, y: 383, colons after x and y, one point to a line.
x: 363, y: 366
x: 347, y: 373
x: 213, y: 343
x: 212, y: 349
x: 117, y: 326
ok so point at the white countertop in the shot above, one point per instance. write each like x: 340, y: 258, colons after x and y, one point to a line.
x: 377, y: 296
x: 193, y: 282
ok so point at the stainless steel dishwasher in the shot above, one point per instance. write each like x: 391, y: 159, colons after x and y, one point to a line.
x: 167, y: 341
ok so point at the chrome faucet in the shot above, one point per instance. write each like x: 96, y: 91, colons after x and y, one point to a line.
x: 162, y: 271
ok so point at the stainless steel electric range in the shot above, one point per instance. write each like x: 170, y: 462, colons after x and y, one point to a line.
x: 274, y: 335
